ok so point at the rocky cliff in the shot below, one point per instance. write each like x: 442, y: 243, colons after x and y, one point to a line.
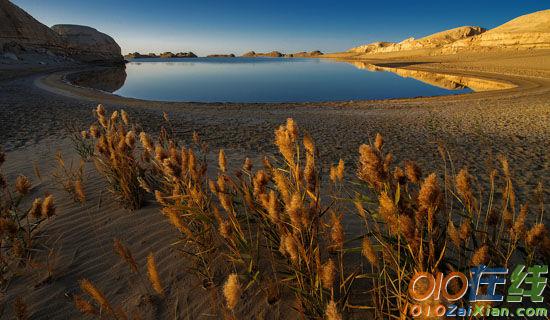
x: 19, y: 30
x: 87, y: 44
x: 531, y: 31
x: 24, y: 38
x: 436, y: 40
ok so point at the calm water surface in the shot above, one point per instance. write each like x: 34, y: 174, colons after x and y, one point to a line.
x: 265, y: 80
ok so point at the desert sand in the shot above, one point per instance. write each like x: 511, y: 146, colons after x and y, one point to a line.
x: 474, y: 127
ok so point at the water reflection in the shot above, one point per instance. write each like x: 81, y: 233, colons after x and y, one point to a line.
x: 444, y: 81
x: 272, y: 80
x: 105, y: 79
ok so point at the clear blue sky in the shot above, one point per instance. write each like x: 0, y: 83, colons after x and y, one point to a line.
x: 208, y: 26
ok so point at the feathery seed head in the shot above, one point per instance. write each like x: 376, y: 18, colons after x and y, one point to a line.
x: 413, y: 172
x: 153, y: 274
x: 480, y: 256
x: 36, y: 208
x: 48, y: 207
x: 378, y: 142
x: 124, y: 117
x: 536, y: 235
x: 222, y: 161
x: 332, y: 311
x: 428, y: 196
x: 369, y: 252
x: 328, y: 271
x: 22, y: 184
x: 232, y: 291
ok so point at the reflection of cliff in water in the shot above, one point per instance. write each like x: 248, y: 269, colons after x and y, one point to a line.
x: 445, y: 81
x: 105, y: 79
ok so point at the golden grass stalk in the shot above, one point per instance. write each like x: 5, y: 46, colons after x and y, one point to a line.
x: 535, y: 236
x: 123, y: 252
x: 153, y: 274
x: 22, y: 184
x: 328, y: 271
x: 332, y: 312
x: 232, y: 291
x: 79, y: 191
x: 369, y: 252
x: 480, y: 256
x: 84, y: 306
x: 48, y: 207
x: 98, y: 296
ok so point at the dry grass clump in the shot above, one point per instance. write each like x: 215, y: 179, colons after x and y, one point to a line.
x: 267, y: 223
x: 100, y: 306
x: 422, y: 224
x: 81, y: 141
x: 70, y: 178
x: 116, y: 157
x: 277, y: 230
x: 18, y: 225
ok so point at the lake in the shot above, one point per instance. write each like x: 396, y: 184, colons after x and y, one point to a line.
x: 274, y: 80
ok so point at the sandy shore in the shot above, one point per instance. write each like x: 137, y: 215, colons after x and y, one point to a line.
x: 475, y: 128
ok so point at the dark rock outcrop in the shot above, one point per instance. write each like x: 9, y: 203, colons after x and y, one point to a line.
x: 277, y: 54
x: 19, y: 30
x: 186, y: 55
x: 23, y: 36
x: 249, y: 54
x: 89, y: 45
x: 221, y: 56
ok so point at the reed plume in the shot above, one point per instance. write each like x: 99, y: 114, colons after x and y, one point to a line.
x: 480, y: 256
x: 22, y: 185
x: 125, y: 254
x: 369, y: 252
x: 328, y: 271
x: 232, y: 291
x: 84, y: 306
x: 332, y: 312
x: 535, y: 236
x: 96, y: 294
x: 48, y: 207
x: 153, y: 274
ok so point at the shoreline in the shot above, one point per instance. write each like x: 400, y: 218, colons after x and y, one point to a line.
x: 57, y: 83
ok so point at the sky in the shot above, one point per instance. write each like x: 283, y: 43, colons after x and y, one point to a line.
x: 209, y: 26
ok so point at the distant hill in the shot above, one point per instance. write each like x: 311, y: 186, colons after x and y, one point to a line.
x: 436, y: 40
x: 530, y: 31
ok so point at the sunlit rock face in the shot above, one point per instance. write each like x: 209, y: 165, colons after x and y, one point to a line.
x: 89, y: 45
x: 436, y: 40
x: 530, y: 31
